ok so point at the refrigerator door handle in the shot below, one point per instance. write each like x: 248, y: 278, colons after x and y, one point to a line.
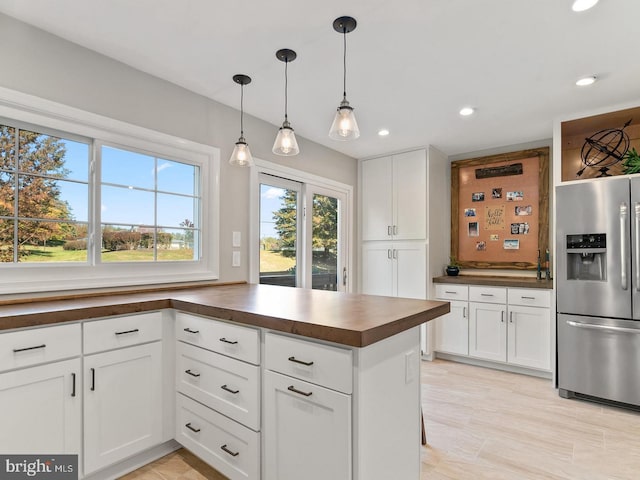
x: 624, y: 245
x: 594, y: 326
x: 636, y: 253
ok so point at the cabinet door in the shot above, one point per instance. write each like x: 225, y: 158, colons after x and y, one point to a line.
x: 377, y: 207
x: 377, y: 269
x: 307, y: 430
x: 410, y: 196
x: 488, y: 331
x: 452, y: 329
x: 410, y: 270
x: 529, y: 337
x: 123, y: 404
x: 41, y: 409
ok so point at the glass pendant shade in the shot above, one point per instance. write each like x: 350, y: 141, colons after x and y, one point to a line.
x: 344, y: 126
x: 241, y: 156
x: 286, y: 143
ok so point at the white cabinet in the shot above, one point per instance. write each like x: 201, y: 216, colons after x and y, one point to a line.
x: 394, y: 197
x: 510, y: 326
x: 452, y: 329
x: 40, y: 393
x: 307, y: 405
x: 41, y: 408
x: 123, y: 402
x: 307, y: 430
x: 218, y: 391
x: 395, y: 269
x: 488, y: 331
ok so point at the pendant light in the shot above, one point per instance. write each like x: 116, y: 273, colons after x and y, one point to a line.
x: 286, y: 143
x: 344, y: 125
x: 241, y: 156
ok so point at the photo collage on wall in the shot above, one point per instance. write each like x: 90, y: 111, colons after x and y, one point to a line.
x: 498, y: 211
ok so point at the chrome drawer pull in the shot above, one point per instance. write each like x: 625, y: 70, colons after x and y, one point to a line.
x: 228, y: 341
x: 135, y: 330
x: 301, y: 362
x: 188, y: 330
x: 193, y: 374
x: 188, y: 425
x: 293, y: 389
x: 233, y: 454
x: 227, y: 389
x: 527, y: 298
x: 16, y: 350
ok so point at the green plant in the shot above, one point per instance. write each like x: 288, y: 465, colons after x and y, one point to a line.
x: 631, y: 162
x: 453, y: 262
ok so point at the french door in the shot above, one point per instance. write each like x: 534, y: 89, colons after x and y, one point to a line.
x: 302, y: 234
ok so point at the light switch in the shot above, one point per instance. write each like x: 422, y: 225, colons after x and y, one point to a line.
x: 235, y: 262
x: 237, y: 239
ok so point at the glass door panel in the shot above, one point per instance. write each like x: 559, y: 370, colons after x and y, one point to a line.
x: 324, y: 243
x: 279, y: 225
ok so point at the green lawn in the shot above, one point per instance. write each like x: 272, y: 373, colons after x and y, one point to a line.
x: 58, y: 254
x: 275, y: 262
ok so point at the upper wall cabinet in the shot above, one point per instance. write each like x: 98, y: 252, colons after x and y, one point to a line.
x: 394, y: 197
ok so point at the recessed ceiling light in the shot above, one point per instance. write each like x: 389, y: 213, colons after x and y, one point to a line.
x: 584, y: 81
x: 582, y: 5
x: 466, y: 111
x: 383, y: 132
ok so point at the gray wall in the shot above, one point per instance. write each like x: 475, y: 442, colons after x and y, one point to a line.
x: 47, y: 66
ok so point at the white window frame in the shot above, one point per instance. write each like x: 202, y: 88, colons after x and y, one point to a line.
x: 318, y: 184
x: 41, y: 277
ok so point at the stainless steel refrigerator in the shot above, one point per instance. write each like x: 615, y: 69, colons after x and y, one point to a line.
x: 598, y: 288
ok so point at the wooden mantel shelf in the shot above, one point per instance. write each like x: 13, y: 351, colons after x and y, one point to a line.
x: 349, y: 319
x: 496, y: 281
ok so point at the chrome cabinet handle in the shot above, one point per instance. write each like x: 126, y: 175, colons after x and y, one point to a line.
x: 502, y: 316
x: 135, y: 330
x: 301, y: 362
x: 464, y: 312
x: 510, y: 317
x: 395, y: 229
x: 293, y: 389
x: 395, y: 254
x: 624, y: 247
x: 193, y: 429
x: 225, y: 449
x: 389, y: 230
x: 193, y: 374
x: 16, y: 350
x: 227, y: 389
x: 230, y: 342
x: 389, y: 254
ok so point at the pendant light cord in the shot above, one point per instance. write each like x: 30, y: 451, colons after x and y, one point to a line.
x: 344, y: 63
x: 286, y: 88
x: 242, y: 110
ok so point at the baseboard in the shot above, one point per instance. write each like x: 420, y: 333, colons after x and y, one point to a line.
x: 494, y: 365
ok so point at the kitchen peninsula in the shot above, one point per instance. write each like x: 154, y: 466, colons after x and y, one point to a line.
x: 259, y: 381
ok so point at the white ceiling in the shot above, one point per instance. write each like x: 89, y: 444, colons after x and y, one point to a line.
x: 411, y: 64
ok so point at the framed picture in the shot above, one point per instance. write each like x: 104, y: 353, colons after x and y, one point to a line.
x: 515, y: 204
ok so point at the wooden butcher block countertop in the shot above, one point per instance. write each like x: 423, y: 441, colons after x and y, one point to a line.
x: 349, y: 319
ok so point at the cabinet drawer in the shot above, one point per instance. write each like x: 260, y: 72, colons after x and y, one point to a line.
x: 227, y: 385
x: 317, y: 363
x: 488, y: 294
x: 227, y: 446
x: 529, y: 297
x: 112, y: 333
x: 23, y: 348
x: 228, y: 339
x: 452, y: 292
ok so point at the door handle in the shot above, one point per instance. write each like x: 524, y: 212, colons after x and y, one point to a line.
x: 389, y: 230
x: 389, y: 253
x: 395, y: 254
x: 73, y: 385
x: 611, y: 328
x: 624, y: 247
x: 502, y: 316
x: 93, y: 379
x: 464, y: 312
x: 510, y: 317
x: 344, y: 276
x: 636, y: 253
x: 395, y: 230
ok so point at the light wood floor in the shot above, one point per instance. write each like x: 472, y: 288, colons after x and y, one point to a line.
x: 488, y: 424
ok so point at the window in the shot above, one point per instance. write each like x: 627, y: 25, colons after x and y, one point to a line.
x: 86, y: 201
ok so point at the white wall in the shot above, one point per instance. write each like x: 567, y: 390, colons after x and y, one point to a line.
x: 47, y: 66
